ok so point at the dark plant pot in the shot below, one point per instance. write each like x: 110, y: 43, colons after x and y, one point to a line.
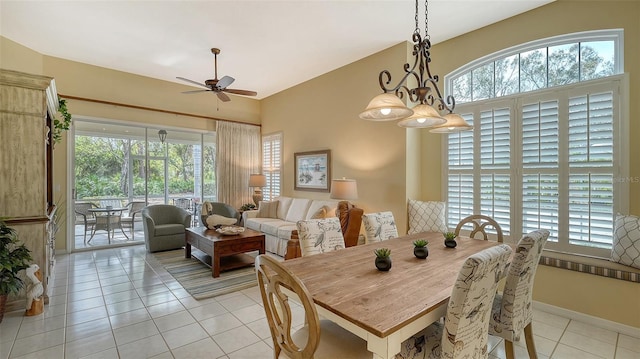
x: 383, y: 264
x: 421, y: 252
x: 450, y: 243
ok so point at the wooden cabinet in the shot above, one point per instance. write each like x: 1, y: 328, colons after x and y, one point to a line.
x: 27, y: 105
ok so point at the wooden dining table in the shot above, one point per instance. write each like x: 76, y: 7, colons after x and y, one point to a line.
x: 385, y: 308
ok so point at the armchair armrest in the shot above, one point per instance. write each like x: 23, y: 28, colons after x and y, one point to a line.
x: 253, y: 213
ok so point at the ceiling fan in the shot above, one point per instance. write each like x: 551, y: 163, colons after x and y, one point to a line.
x: 218, y: 86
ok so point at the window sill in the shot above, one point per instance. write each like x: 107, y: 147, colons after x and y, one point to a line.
x: 590, y: 265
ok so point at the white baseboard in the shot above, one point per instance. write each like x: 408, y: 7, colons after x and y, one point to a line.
x: 589, y: 319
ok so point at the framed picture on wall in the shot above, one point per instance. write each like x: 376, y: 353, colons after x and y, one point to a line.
x: 312, y: 171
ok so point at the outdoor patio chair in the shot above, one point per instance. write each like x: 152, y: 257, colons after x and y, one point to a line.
x: 133, y: 208
x: 82, y: 213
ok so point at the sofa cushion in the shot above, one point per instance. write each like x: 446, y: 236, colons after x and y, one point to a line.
x: 626, y: 241
x: 271, y: 227
x: 256, y: 223
x: 284, y: 232
x: 298, y: 209
x: 427, y: 217
x: 320, y: 236
x: 283, y: 206
x: 168, y: 229
x: 317, y: 205
x: 267, y: 209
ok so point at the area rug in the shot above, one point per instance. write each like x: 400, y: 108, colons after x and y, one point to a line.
x: 195, y: 277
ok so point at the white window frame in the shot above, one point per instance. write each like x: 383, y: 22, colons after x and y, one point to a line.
x: 272, y: 166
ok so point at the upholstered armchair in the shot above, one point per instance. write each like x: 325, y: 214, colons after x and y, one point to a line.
x: 219, y: 208
x: 164, y: 227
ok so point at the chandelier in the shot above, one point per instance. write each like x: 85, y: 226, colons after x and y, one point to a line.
x: 389, y: 106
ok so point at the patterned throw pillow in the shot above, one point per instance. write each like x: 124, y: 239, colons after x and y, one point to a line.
x: 267, y: 209
x: 427, y: 217
x: 320, y: 236
x: 626, y: 241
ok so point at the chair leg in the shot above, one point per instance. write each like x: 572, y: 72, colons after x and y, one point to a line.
x: 531, y: 346
x: 508, y: 349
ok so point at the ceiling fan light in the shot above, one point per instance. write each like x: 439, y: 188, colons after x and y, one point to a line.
x: 455, y: 123
x: 385, y: 107
x: 424, y: 116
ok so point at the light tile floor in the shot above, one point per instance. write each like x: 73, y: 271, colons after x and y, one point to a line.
x: 121, y: 303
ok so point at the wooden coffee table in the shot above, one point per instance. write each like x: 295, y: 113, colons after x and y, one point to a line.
x: 223, y: 252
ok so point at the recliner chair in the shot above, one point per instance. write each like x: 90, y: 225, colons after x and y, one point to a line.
x: 164, y: 227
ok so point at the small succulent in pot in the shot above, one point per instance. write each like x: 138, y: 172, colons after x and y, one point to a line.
x: 420, y: 249
x: 450, y: 239
x: 248, y: 207
x: 383, y: 259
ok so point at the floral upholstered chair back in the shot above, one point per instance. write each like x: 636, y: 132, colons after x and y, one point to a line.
x: 516, y: 307
x: 320, y: 235
x: 466, y: 328
x: 379, y: 226
x: 468, y: 314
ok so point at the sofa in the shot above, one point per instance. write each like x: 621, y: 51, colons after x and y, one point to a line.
x: 277, y: 221
x: 164, y: 227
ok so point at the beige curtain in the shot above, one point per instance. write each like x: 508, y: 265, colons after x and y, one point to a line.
x: 238, y: 156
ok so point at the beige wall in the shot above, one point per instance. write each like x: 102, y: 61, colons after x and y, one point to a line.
x: 323, y: 114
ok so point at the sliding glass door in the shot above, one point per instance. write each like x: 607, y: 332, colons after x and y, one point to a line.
x: 117, y: 166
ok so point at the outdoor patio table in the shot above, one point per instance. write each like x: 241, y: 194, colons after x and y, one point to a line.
x: 107, y: 219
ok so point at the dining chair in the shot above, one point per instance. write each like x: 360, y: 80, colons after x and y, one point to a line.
x: 115, y: 203
x: 479, y: 224
x: 429, y: 216
x: 133, y: 208
x: 321, y: 339
x: 379, y: 226
x: 88, y: 219
x: 513, y: 309
x: 320, y: 235
x: 464, y: 333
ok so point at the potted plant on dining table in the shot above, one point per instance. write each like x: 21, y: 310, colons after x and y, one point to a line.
x: 450, y: 239
x: 383, y: 259
x: 420, y: 249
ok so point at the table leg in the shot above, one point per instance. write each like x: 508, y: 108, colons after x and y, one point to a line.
x: 215, y: 265
x: 187, y: 250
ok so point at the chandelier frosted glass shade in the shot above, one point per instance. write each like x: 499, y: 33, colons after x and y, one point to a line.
x: 386, y: 107
x: 423, y: 116
x: 455, y: 123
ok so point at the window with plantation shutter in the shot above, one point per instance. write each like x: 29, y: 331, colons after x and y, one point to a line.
x: 542, y: 160
x: 272, y: 165
x: 548, y: 148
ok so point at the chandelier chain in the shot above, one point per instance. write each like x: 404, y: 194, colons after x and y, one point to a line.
x: 417, y: 30
x: 426, y: 18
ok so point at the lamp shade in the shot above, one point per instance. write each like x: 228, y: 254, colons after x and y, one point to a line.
x: 455, y: 123
x: 423, y: 116
x: 386, y: 107
x: 344, y: 189
x: 257, y: 180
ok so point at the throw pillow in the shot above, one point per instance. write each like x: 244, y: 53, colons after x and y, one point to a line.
x: 216, y: 219
x: 267, y: 209
x: 321, y: 213
x: 626, y: 241
x: 427, y: 217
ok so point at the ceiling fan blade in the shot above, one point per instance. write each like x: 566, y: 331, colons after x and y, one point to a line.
x: 223, y: 97
x: 224, y: 82
x: 195, y: 91
x: 241, y: 92
x: 191, y: 81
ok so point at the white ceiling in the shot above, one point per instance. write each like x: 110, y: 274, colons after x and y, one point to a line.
x: 267, y: 46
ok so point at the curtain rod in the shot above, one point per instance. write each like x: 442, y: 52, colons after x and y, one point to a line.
x: 152, y: 109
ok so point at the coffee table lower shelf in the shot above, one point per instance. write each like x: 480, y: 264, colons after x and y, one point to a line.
x: 233, y: 261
